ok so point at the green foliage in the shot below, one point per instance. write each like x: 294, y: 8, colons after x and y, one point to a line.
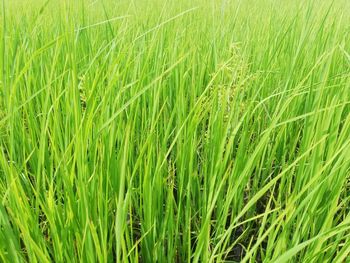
x: 175, y: 131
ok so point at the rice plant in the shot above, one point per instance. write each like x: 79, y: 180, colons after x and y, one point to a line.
x: 175, y: 131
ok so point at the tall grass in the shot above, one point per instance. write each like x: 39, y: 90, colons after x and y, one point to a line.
x: 175, y: 131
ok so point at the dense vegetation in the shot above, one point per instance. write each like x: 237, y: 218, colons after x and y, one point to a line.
x: 175, y: 131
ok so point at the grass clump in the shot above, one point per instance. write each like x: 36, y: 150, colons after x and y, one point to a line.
x: 175, y: 131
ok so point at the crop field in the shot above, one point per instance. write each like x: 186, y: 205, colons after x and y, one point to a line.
x: 174, y: 131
